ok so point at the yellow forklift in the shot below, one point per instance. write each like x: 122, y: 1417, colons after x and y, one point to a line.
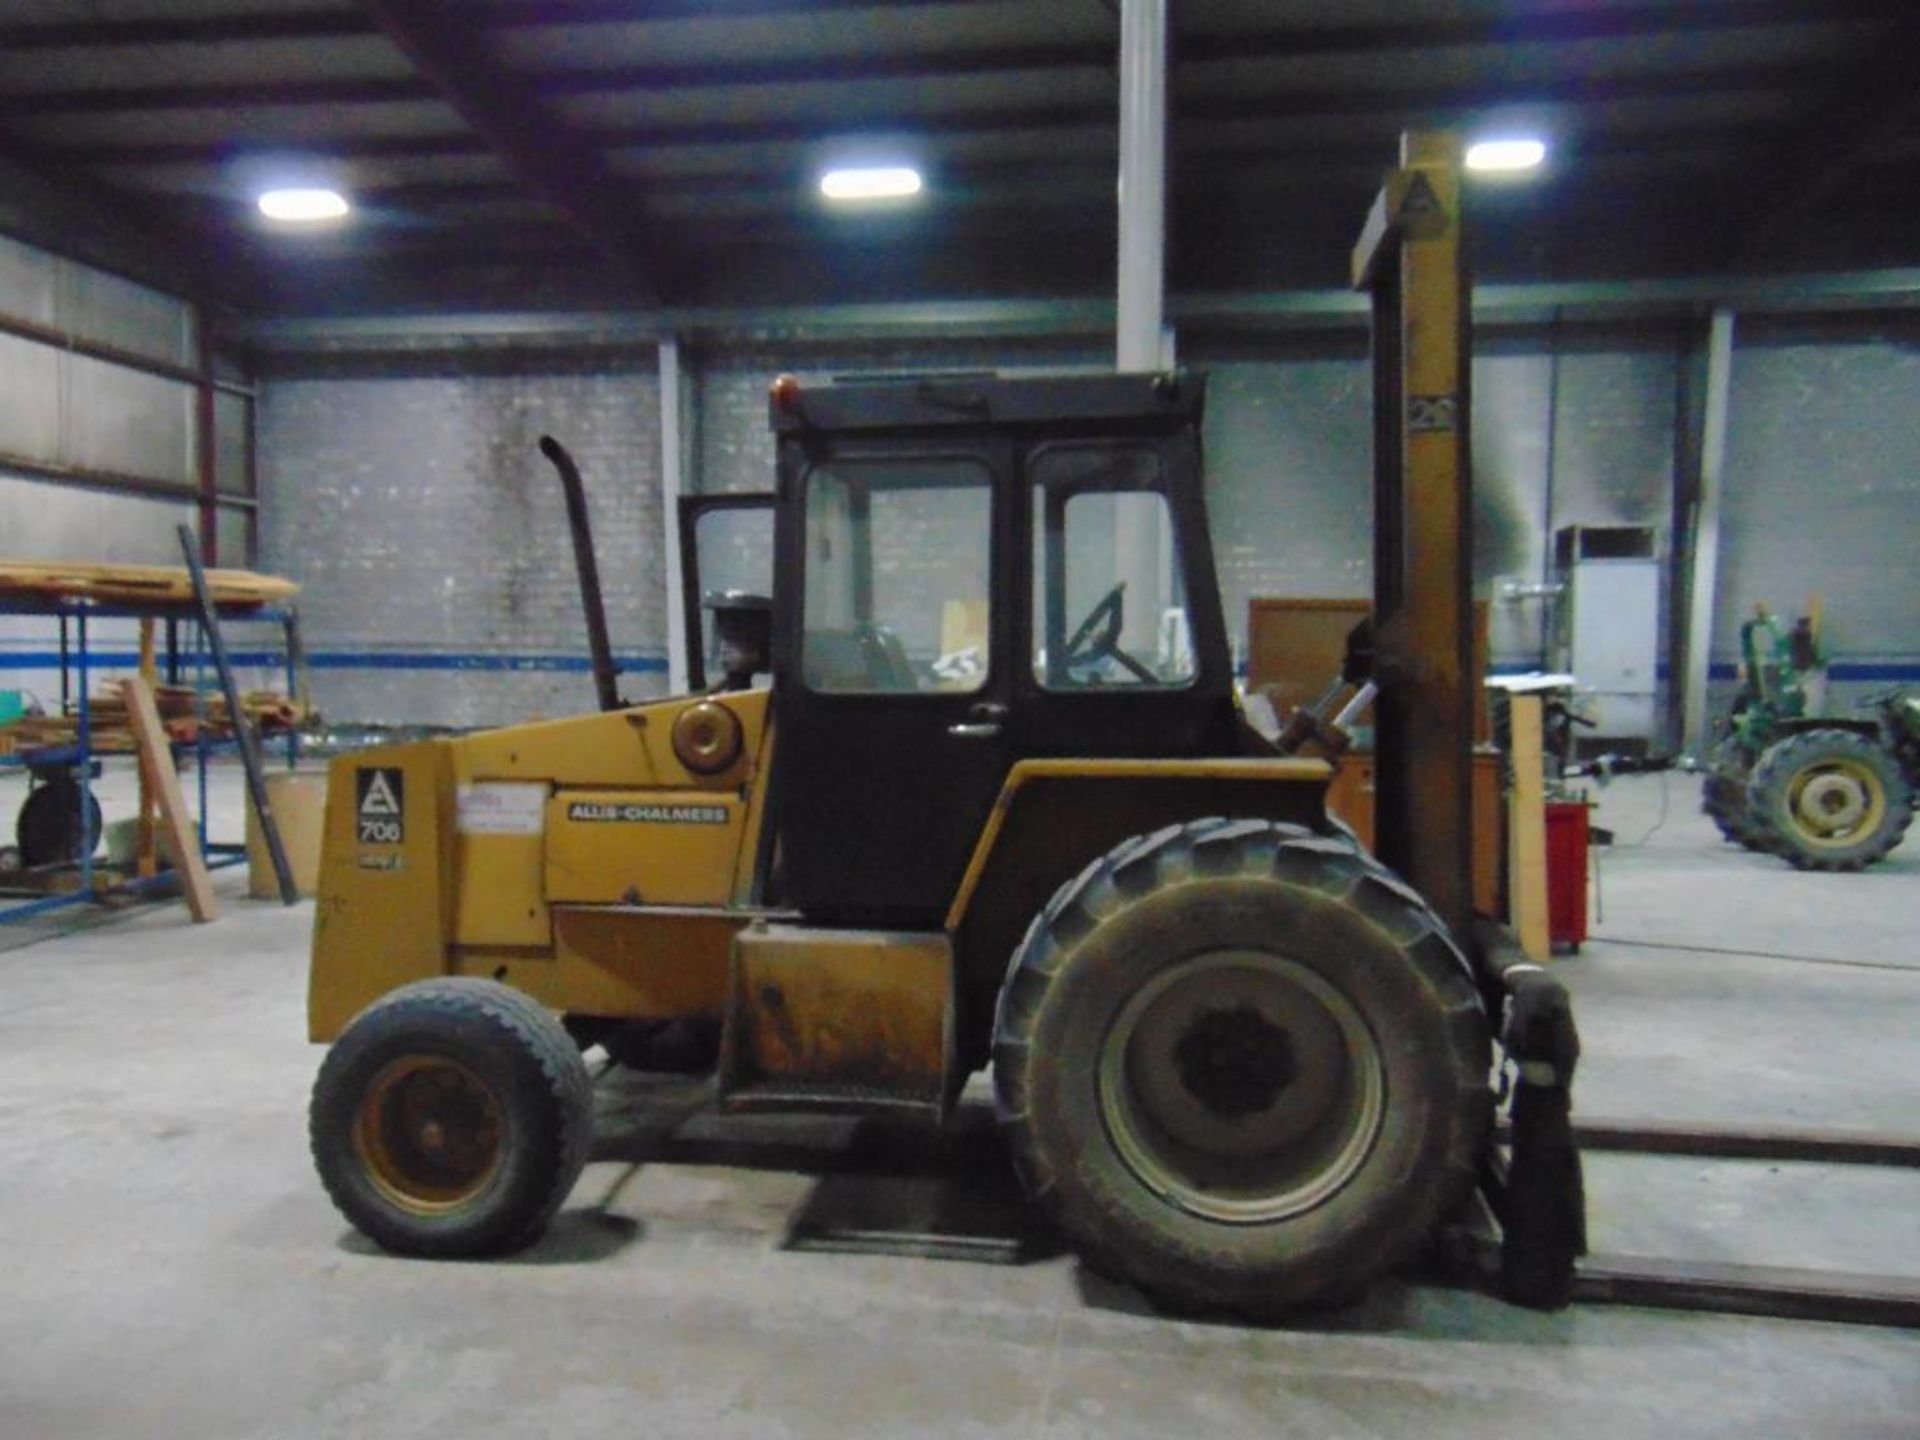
x: 998, y: 806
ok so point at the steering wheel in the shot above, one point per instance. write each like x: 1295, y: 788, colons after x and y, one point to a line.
x: 1098, y: 637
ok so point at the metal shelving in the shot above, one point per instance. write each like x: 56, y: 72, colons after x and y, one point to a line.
x: 180, y: 663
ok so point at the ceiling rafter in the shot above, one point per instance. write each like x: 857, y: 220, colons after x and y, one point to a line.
x: 1692, y: 81
x: 1196, y: 49
x: 1871, y: 104
x: 519, y: 126
x: 346, y: 21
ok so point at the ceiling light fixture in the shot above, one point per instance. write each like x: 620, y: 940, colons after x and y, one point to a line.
x: 885, y: 182
x: 304, y: 206
x: 1505, y: 156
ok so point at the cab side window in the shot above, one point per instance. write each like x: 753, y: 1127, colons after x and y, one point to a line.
x: 1109, y: 609
x: 896, y: 576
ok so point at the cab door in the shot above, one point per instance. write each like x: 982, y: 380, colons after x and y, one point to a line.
x: 892, y: 671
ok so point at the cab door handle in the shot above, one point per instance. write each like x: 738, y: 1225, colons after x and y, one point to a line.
x: 985, y: 730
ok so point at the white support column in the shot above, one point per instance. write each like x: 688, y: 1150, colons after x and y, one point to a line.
x: 1704, y: 570
x: 1143, y: 182
x: 672, y: 463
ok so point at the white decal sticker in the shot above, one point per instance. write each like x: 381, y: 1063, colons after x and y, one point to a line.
x: 500, y: 807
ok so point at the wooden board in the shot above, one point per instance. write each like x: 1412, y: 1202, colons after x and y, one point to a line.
x: 1527, y: 831
x: 1350, y: 797
x: 1295, y: 647
x: 137, y: 584
x: 156, y: 764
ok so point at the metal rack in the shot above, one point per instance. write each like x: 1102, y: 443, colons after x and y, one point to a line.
x: 77, y: 664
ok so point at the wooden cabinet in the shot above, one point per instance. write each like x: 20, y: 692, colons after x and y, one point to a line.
x: 1350, y: 796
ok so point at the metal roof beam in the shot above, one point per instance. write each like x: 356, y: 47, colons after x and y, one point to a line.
x: 1255, y: 310
x: 518, y: 125
x: 1400, y: 102
x: 1690, y: 82
x: 1873, y: 102
x: 184, y: 29
x: 45, y: 204
x: 347, y: 21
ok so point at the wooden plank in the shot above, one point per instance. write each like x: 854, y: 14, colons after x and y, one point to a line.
x: 138, y: 584
x: 156, y: 764
x: 1527, y: 831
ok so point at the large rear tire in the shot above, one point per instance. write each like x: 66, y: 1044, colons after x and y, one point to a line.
x: 1832, y: 799
x: 451, y: 1118
x: 1242, y: 1066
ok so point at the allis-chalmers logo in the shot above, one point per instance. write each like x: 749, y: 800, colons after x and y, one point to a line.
x: 648, y: 814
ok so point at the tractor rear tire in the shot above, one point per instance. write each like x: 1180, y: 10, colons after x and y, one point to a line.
x: 1832, y: 799
x: 451, y: 1118
x: 1724, y: 800
x: 1243, y: 1067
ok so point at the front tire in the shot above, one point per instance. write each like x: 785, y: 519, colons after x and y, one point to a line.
x: 1242, y: 1067
x: 451, y: 1118
x: 1832, y: 799
x: 1724, y: 799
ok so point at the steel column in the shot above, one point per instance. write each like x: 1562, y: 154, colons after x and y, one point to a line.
x: 1703, y: 577
x: 1143, y: 183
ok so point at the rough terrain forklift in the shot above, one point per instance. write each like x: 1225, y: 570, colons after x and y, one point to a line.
x: 998, y: 807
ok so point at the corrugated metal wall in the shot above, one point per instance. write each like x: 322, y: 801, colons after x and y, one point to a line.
x: 66, y: 410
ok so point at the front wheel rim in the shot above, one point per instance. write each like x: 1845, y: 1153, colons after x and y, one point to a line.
x: 429, y: 1133
x: 1241, y: 1087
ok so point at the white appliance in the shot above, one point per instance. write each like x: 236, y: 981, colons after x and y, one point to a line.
x: 1608, y: 633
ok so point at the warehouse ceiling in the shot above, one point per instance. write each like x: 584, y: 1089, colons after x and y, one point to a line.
x: 635, y: 152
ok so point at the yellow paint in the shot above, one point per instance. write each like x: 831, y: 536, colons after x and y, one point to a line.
x: 622, y: 748
x: 445, y: 900
x: 645, y: 963
x: 1028, y: 771
x: 384, y: 911
x: 744, y: 864
x: 643, y: 847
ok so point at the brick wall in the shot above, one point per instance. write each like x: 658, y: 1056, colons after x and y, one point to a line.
x: 431, y: 537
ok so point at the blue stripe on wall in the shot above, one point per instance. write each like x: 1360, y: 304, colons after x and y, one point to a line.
x: 357, y: 660
x: 1853, y: 671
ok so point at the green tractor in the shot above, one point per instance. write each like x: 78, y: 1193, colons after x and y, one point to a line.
x: 1781, y: 673
x: 1823, y: 793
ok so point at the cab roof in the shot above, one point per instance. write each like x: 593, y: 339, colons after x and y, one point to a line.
x: 1166, y: 399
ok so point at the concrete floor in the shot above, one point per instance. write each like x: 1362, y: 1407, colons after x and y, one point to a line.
x: 173, y: 1269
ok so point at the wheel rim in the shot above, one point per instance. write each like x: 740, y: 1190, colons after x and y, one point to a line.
x: 1835, y: 802
x: 429, y: 1133
x: 1241, y: 1087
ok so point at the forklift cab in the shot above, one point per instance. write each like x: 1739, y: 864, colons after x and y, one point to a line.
x: 969, y: 573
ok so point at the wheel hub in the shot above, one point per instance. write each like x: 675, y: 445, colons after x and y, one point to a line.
x: 1832, y: 803
x: 430, y: 1133
x: 1241, y: 1086
x: 1235, y: 1062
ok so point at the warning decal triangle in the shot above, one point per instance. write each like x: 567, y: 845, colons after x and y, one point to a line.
x: 379, y: 799
x: 1419, y: 201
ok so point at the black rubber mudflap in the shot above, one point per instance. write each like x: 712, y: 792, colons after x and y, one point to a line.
x: 1543, y: 1212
